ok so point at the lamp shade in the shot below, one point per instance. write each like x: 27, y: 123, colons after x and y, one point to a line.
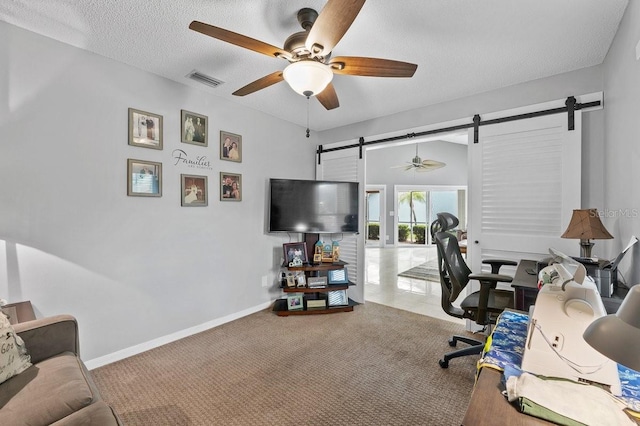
x: 585, y: 224
x: 308, y: 77
x: 617, y: 336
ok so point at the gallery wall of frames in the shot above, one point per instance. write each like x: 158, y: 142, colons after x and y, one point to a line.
x: 144, y: 177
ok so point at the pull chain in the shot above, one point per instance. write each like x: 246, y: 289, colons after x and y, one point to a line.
x: 307, y: 116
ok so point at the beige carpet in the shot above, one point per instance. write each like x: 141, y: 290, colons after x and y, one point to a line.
x: 374, y: 366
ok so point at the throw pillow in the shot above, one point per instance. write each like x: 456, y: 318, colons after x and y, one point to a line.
x: 14, y: 358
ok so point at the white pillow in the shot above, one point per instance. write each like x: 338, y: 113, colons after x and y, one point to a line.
x: 14, y: 358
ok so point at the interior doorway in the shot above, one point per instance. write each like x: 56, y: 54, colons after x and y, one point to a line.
x: 386, y: 170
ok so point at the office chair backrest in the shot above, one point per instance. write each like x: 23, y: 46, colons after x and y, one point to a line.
x: 452, y: 282
x: 453, y: 263
x: 444, y: 222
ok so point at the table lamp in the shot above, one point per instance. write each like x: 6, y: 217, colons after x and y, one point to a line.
x: 585, y: 225
x: 617, y: 336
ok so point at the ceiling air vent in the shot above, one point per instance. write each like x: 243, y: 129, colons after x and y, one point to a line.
x: 204, y: 79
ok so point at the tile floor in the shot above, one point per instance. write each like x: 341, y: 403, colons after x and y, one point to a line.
x: 384, y: 286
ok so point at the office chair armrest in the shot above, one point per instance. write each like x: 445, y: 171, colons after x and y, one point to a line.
x: 496, y: 264
x: 491, y: 278
x: 488, y: 282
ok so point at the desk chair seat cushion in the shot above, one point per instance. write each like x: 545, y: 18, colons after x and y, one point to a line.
x: 499, y: 300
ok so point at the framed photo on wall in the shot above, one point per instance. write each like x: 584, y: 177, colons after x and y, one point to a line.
x: 194, y: 191
x: 194, y: 128
x: 145, y: 129
x: 230, y: 147
x: 144, y: 178
x: 230, y: 187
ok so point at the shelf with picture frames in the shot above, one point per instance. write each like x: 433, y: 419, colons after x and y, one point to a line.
x: 312, y: 294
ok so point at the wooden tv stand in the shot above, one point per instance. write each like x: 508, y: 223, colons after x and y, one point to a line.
x: 280, y: 305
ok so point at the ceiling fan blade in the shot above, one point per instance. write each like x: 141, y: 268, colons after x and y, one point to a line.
x: 371, y: 67
x: 328, y: 97
x: 433, y: 163
x: 239, y: 40
x: 332, y: 23
x: 260, y: 84
x: 429, y: 165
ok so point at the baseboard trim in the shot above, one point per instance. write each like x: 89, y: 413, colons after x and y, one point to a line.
x: 151, y: 344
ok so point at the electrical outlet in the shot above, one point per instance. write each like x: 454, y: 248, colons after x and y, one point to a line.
x: 265, y: 281
x: 638, y: 50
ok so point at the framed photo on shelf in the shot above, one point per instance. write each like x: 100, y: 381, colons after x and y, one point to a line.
x: 145, y: 129
x: 295, y: 301
x: 301, y: 279
x: 230, y: 147
x: 194, y: 128
x: 338, y: 276
x: 291, y: 279
x: 230, y: 187
x: 144, y: 178
x: 295, y: 254
x: 337, y: 298
x: 194, y: 191
x: 317, y: 282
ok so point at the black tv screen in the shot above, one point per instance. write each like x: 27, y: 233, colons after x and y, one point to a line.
x: 313, y: 206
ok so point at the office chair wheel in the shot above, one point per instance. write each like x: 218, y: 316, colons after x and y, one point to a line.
x: 453, y: 342
x: 443, y: 363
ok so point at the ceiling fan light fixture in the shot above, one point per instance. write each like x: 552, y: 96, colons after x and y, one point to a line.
x: 308, y: 77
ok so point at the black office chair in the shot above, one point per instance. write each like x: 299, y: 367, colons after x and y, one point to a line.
x: 483, y: 306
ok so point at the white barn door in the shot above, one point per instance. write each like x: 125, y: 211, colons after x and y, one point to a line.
x: 344, y: 165
x: 524, y: 182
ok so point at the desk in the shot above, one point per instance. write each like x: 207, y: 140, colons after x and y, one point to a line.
x: 525, y: 289
x: 488, y: 406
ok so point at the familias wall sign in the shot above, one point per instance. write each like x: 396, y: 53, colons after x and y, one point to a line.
x: 198, y: 162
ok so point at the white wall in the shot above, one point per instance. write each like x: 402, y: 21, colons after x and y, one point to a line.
x: 622, y: 142
x: 379, y: 171
x: 131, y: 269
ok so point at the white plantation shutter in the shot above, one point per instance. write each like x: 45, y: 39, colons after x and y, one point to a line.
x: 341, y: 168
x: 345, y: 166
x: 522, y: 183
x: 525, y: 180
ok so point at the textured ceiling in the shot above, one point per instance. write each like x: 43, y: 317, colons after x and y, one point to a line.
x: 462, y: 47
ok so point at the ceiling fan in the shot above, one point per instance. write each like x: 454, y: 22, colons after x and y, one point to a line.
x: 420, y: 165
x: 311, y: 67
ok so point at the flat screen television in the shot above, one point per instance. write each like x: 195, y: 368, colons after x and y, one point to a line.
x: 313, y: 206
